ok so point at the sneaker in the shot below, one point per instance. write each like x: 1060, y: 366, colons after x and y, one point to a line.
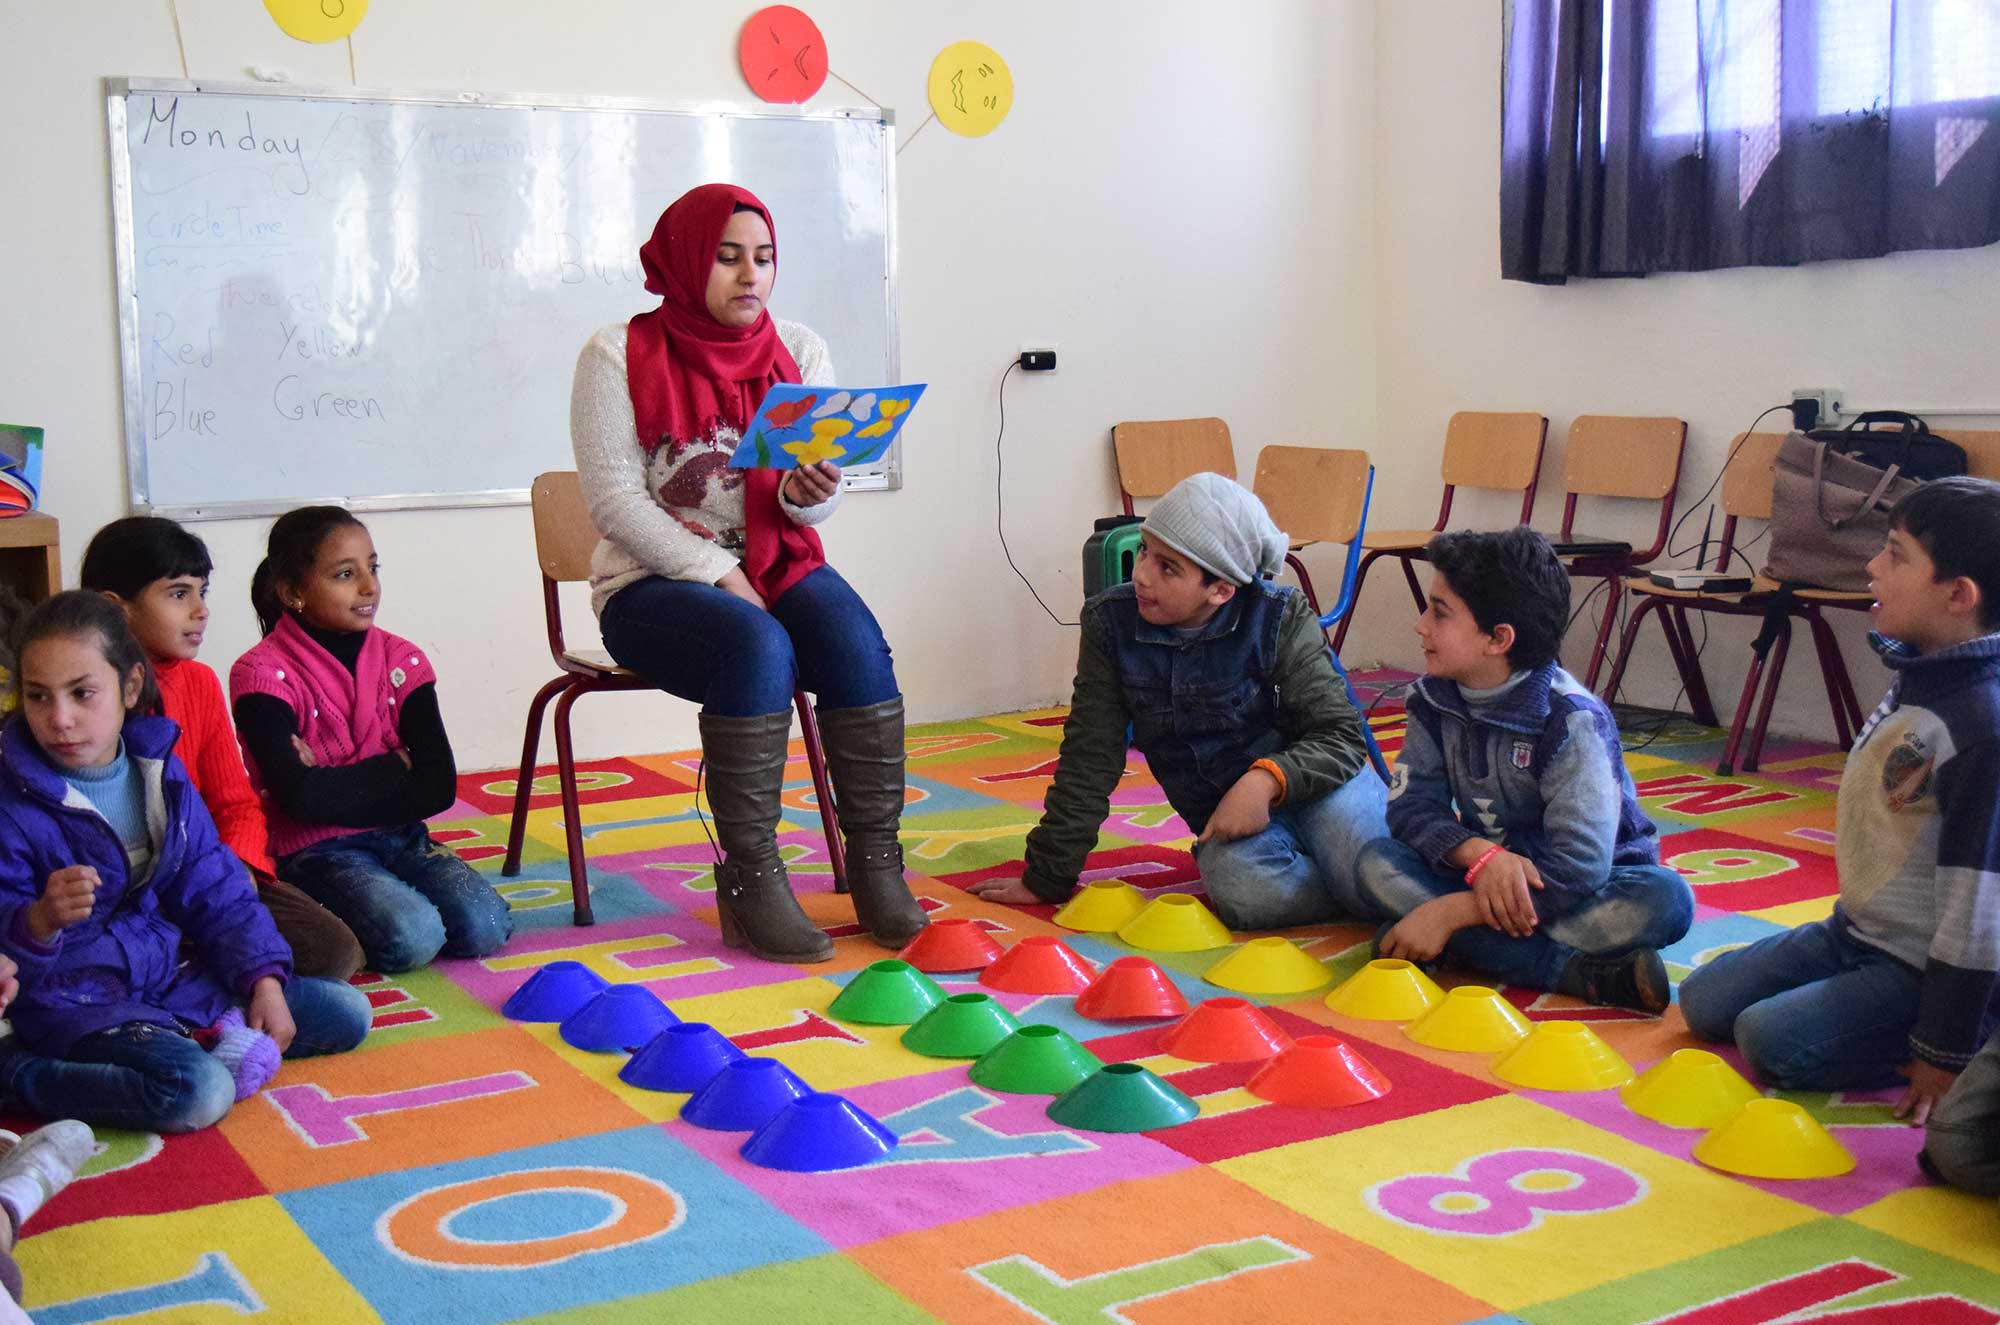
x: 1636, y: 980
x: 42, y: 1163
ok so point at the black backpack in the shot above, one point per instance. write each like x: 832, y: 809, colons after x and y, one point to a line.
x: 1915, y: 451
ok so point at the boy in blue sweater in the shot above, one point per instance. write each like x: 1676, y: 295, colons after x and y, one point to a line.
x: 1547, y: 875
x: 1900, y: 980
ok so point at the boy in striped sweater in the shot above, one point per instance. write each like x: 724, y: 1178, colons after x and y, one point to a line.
x: 1899, y: 982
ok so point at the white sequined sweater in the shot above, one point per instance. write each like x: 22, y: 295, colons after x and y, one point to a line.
x: 679, y: 514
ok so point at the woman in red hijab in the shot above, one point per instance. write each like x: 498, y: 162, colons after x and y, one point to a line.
x: 710, y: 581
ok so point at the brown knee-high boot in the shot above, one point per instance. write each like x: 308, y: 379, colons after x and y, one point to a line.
x: 864, y: 752
x: 745, y: 760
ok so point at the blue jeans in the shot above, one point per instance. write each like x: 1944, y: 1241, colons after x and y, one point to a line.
x: 1962, y: 1138
x: 147, y: 1078
x: 707, y: 645
x: 404, y: 896
x: 1812, y: 1008
x: 1300, y: 869
x: 1639, y: 906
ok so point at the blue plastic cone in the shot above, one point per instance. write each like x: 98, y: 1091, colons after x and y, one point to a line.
x: 818, y: 1133
x: 621, y: 1017
x: 680, y: 1058
x: 743, y: 1096
x: 554, y: 992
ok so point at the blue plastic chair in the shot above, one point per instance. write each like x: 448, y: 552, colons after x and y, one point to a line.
x: 1316, y: 494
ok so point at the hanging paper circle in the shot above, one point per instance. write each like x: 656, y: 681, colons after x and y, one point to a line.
x: 971, y: 88
x: 783, y: 54
x: 317, y: 20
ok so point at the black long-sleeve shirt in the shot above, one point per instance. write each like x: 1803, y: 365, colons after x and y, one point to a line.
x: 377, y: 792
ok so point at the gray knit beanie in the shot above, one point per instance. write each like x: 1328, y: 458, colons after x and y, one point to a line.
x: 1220, y: 526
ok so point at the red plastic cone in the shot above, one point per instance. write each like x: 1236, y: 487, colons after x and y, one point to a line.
x: 1039, y: 964
x: 1224, y: 1030
x: 950, y: 945
x: 1130, y: 987
x: 1319, y: 1072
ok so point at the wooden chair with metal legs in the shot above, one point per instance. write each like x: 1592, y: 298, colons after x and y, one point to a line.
x: 1501, y: 452
x: 1319, y: 495
x: 564, y: 540
x: 1746, y: 494
x: 1626, y: 459
x: 1747, y: 485
x: 1315, y: 494
x: 1153, y: 455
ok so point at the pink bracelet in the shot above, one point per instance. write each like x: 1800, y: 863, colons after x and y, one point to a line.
x: 1480, y: 864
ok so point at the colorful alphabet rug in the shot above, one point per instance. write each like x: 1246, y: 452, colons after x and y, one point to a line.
x: 461, y: 1167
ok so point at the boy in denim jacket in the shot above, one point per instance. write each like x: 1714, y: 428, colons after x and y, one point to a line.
x: 1225, y: 684
x: 1902, y: 981
x: 1547, y: 875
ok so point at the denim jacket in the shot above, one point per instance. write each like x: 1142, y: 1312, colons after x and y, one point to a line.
x: 1539, y: 771
x: 1256, y: 682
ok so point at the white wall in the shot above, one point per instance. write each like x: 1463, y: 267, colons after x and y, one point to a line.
x: 1182, y: 199
x: 1712, y: 348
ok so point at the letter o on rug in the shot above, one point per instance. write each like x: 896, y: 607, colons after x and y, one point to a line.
x: 419, y: 1229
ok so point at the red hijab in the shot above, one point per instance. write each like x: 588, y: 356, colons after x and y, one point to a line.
x: 690, y: 375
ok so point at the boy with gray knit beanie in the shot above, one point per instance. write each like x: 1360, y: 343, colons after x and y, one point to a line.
x: 1226, y: 685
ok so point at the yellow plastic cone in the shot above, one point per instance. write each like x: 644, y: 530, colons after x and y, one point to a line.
x: 1268, y: 966
x: 1472, y: 1019
x: 1386, y: 989
x: 1175, y: 923
x: 1774, y: 1139
x: 1689, y: 1088
x: 1563, y: 1055
x: 1099, y: 908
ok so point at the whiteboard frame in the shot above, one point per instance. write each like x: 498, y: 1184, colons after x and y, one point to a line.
x: 124, y: 241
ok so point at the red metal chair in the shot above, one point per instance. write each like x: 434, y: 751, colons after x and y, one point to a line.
x: 564, y: 540
x: 1629, y: 459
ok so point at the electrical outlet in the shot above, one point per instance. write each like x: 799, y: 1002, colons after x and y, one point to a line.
x: 1826, y: 399
x: 1045, y: 356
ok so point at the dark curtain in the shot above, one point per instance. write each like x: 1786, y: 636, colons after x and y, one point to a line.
x: 1686, y: 135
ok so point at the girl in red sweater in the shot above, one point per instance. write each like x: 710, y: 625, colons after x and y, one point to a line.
x: 158, y: 572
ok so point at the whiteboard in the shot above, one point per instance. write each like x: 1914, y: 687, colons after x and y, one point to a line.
x: 377, y: 298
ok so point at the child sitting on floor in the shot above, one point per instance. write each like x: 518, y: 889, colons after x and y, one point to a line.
x: 1225, y: 683
x: 343, y: 737
x: 1900, y: 979
x: 1547, y: 875
x: 108, y: 864
x: 158, y: 572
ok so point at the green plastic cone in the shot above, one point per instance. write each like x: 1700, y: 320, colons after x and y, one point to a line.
x: 963, y: 1026
x: 1035, y: 1060
x: 887, y: 993
x: 1122, y: 1097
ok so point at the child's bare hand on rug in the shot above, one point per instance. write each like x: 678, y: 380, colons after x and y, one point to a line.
x: 1011, y: 892
x: 1245, y: 809
x: 10, y: 982
x: 66, y: 898
x: 268, y: 1012
x: 1503, y: 891
x: 1421, y: 935
x: 1928, y: 1083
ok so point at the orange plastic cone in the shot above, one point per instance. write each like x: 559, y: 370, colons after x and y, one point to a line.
x: 1131, y: 987
x: 1319, y: 1072
x: 1039, y: 964
x: 1224, y: 1030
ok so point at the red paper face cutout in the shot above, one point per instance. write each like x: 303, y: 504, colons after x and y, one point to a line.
x: 783, y: 54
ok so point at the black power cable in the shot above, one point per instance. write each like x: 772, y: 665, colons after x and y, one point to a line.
x: 1000, y: 499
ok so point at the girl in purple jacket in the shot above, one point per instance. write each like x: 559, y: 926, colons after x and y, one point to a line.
x: 108, y: 863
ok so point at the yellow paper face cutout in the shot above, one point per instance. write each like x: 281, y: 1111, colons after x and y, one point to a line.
x: 971, y: 88
x: 317, y: 20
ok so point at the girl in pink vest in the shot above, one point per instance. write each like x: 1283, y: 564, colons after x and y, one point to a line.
x: 343, y: 739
